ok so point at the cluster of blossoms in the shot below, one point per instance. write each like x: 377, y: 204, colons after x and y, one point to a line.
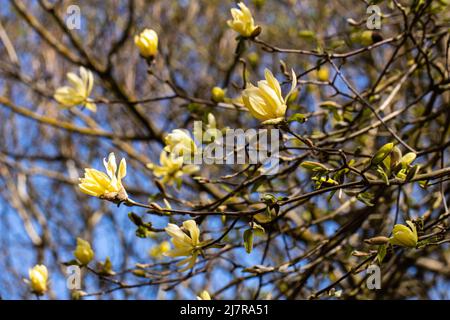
x: 171, y: 168
x: 265, y: 102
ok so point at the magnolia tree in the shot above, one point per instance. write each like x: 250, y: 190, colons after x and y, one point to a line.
x: 268, y: 149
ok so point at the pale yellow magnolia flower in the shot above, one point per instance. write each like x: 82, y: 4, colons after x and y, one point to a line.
x: 158, y: 251
x: 265, y: 102
x: 171, y: 168
x: 147, y: 43
x: 186, y: 243
x: 79, y: 91
x: 180, y: 143
x: 204, y: 295
x: 38, y: 279
x: 108, y: 186
x: 83, y: 252
x: 242, y: 21
x: 404, y: 236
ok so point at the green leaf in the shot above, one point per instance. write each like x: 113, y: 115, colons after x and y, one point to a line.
x: 307, y: 34
x: 381, y: 253
x: 139, y: 273
x: 107, y: 265
x: 265, y: 217
x: 337, y: 43
x: 383, y: 174
x: 337, y: 115
x: 386, y: 164
x: 423, y: 184
x: 291, y: 99
x: 330, y: 105
x: 258, y: 229
x: 248, y: 240
x: 269, y: 198
x: 381, y: 154
x: 407, y: 159
x: 402, y: 175
x: 320, y: 179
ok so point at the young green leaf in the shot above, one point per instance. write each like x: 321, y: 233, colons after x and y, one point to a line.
x: 314, y: 166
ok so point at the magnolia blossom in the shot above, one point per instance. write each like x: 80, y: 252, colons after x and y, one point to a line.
x: 79, y: 91
x: 147, y: 43
x: 204, y: 295
x: 108, y: 186
x: 265, y: 102
x: 242, y: 21
x: 186, y: 242
x: 83, y: 252
x: 171, y: 168
x: 180, y: 143
x: 38, y: 279
x: 404, y: 236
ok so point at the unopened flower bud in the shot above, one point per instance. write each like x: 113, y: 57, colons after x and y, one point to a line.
x: 217, y: 94
x: 147, y: 43
x: 404, y: 236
